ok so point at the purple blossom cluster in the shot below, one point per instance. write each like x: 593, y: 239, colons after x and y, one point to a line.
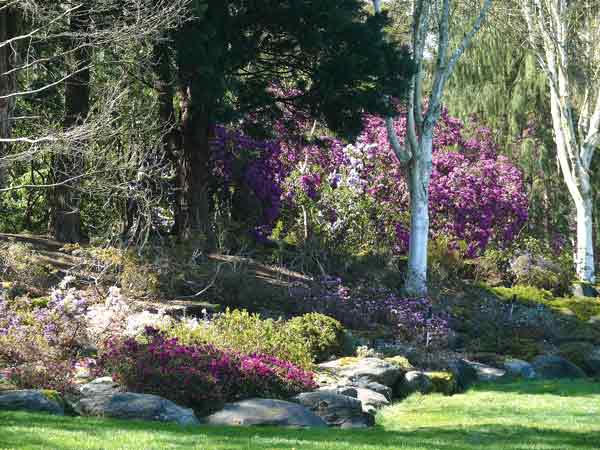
x: 41, y: 344
x: 198, y: 375
x: 412, y: 320
x: 251, y: 165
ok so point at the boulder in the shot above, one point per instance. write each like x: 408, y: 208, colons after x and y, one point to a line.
x: 464, y: 373
x: 129, y: 405
x: 415, y: 381
x: 364, y: 370
x: 32, y: 400
x: 485, y: 372
x: 371, y: 400
x: 259, y: 411
x: 374, y: 386
x: 333, y: 408
x: 592, y: 361
x: 519, y: 369
x: 551, y: 366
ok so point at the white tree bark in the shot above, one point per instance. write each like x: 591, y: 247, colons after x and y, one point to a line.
x: 551, y: 33
x: 417, y: 149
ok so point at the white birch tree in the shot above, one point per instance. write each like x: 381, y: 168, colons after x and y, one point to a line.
x: 565, y: 36
x: 430, y: 23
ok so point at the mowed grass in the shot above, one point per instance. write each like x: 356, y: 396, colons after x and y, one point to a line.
x: 537, y: 415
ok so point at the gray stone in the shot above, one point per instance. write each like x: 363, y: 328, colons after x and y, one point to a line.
x: 364, y: 369
x: 129, y: 405
x: 374, y: 386
x: 416, y: 381
x: 485, y: 372
x: 519, y: 368
x: 550, y: 366
x: 465, y: 373
x: 99, y: 386
x: 259, y: 411
x: 371, y: 400
x: 31, y: 400
x: 333, y: 408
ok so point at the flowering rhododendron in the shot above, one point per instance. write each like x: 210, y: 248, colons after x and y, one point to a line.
x: 198, y: 376
x: 476, y: 195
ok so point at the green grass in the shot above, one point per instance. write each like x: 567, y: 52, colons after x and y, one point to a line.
x: 525, y: 416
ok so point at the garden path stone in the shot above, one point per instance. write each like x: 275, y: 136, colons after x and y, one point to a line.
x: 260, y: 411
x: 519, y: 368
x: 335, y: 409
x: 365, y: 369
x: 32, y: 400
x: 551, y: 366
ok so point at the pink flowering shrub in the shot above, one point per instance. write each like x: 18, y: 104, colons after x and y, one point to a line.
x: 198, y: 376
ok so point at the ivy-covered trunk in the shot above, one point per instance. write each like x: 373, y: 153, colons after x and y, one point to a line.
x: 68, y: 167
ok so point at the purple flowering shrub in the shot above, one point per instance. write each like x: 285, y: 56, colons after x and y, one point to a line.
x: 411, y: 320
x: 42, y: 343
x: 198, y: 376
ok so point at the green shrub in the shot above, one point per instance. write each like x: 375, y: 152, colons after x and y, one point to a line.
x: 247, y: 333
x: 323, y: 334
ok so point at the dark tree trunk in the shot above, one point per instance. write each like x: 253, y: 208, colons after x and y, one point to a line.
x: 9, y: 27
x: 66, y: 217
x: 192, y: 206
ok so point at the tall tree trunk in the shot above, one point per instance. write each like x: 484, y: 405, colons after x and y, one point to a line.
x: 66, y: 216
x: 9, y: 24
x: 192, y: 207
x: 585, y: 241
x: 419, y: 175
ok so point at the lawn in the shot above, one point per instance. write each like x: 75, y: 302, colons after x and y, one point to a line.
x: 534, y: 415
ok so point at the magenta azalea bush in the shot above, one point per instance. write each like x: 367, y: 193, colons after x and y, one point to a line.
x: 198, y: 376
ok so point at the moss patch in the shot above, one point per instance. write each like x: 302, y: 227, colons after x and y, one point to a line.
x: 401, y: 362
x: 443, y: 382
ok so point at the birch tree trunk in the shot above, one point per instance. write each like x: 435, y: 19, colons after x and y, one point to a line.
x: 416, y: 152
x: 552, y: 33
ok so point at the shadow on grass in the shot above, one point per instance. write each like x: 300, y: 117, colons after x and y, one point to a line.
x: 39, y: 431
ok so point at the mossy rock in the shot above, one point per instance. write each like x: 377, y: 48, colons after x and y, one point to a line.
x: 576, y: 352
x: 581, y: 307
x: 443, y: 382
x: 400, y: 362
x: 53, y: 396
